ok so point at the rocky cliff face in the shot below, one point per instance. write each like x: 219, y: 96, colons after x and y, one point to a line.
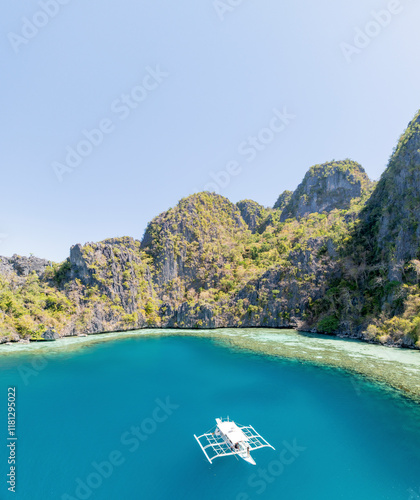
x: 390, y: 222
x: 283, y: 295
x: 252, y: 213
x: 326, y: 187
x: 23, y: 266
x: 380, y: 260
x: 189, y: 241
x: 111, y: 284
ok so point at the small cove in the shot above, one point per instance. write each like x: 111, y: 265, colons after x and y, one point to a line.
x: 353, y: 437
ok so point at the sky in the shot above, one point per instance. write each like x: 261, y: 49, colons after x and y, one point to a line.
x: 114, y: 111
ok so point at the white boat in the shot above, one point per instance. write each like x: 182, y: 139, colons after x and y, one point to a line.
x: 228, y: 438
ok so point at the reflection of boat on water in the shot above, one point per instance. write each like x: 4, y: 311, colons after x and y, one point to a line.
x: 228, y: 438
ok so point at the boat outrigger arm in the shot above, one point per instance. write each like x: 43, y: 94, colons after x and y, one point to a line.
x: 228, y: 438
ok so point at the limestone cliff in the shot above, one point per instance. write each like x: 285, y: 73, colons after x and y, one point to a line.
x: 23, y: 266
x: 329, y: 257
x: 326, y: 187
x: 189, y: 241
x: 390, y: 222
x: 378, y: 296
x: 252, y: 213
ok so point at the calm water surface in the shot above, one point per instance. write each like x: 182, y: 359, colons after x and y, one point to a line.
x: 334, y: 438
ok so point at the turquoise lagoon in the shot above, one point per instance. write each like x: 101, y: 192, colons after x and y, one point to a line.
x: 113, y: 417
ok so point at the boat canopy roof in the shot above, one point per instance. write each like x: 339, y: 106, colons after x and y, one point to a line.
x: 231, y: 431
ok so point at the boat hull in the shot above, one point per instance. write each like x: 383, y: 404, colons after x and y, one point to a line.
x: 248, y: 459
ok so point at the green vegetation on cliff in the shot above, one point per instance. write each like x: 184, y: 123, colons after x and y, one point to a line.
x: 338, y: 255
x: 28, y: 307
x: 283, y: 200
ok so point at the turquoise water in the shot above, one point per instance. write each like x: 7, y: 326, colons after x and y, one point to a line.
x: 334, y: 438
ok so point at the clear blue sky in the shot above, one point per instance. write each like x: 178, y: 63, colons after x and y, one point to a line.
x: 180, y: 91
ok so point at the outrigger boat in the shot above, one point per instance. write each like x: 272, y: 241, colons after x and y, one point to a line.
x: 228, y: 438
